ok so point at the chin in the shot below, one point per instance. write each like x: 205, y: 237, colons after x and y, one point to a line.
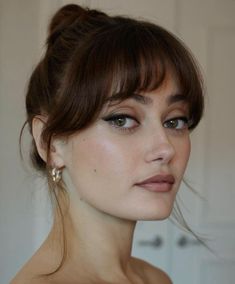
x: 157, y: 212
x: 156, y: 216
x: 159, y: 209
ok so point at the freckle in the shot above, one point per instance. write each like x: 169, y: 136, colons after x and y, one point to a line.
x: 94, y: 170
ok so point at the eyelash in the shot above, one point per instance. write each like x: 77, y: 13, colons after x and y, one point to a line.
x: 114, y: 118
x: 183, y: 119
x: 111, y: 119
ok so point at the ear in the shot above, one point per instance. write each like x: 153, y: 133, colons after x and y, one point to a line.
x: 56, y: 149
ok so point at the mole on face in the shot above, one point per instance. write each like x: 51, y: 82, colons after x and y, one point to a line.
x: 94, y: 170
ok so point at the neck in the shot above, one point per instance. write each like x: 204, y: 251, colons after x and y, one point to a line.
x: 98, y: 245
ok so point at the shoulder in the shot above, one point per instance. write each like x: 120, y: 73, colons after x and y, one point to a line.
x: 38, y: 267
x: 151, y: 273
x: 26, y: 276
x: 21, y: 278
x: 33, y: 272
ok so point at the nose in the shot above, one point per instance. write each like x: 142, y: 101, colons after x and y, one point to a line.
x: 159, y: 148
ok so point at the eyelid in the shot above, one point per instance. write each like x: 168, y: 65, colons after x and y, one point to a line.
x: 112, y: 120
x: 180, y: 110
x: 118, y: 115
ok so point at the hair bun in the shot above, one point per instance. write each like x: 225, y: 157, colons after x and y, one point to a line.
x: 64, y: 18
x: 67, y: 16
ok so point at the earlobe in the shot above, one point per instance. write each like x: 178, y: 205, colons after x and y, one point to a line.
x: 56, y: 152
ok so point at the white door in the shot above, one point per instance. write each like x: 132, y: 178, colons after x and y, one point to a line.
x: 208, y: 28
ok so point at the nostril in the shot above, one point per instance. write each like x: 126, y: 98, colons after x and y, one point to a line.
x: 158, y: 159
x: 163, y: 153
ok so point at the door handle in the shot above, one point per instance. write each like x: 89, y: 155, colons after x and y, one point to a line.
x: 184, y: 241
x: 157, y: 242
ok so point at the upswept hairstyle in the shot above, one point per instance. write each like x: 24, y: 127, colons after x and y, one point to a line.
x: 90, y: 57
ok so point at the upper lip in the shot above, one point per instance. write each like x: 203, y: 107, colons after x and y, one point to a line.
x: 167, y: 178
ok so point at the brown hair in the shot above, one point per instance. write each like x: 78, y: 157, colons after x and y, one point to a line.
x: 90, y: 57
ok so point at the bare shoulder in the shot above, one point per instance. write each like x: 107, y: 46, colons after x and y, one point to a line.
x: 33, y: 271
x: 26, y: 276
x: 22, y: 278
x: 42, y: 263
x: 154, y: 275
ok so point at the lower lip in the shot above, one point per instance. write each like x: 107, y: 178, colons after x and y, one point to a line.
x: 157, y: 186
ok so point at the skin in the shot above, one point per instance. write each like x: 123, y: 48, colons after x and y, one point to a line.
x: 101, y: 166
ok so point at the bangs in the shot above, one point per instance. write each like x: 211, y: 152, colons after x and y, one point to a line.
x: 127, y: 57
x: 137, y: 58
x: 138, y: 65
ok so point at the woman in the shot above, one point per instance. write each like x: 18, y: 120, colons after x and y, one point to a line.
x: 110, y: 107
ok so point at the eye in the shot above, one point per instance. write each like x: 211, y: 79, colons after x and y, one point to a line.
x: 122, y: 121
x: 177, y: 123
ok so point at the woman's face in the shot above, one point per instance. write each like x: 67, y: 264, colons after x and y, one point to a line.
x: 130, y: 162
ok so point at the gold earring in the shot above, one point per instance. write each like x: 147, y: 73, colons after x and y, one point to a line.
x: 56, y: 174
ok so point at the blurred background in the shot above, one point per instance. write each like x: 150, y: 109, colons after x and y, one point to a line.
x: 208, y: 28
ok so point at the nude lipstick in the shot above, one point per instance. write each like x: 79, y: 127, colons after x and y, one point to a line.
x: 158, y: 183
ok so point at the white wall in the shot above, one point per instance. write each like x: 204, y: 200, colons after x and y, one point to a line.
x: 22, y: 30
x: 18, y: 51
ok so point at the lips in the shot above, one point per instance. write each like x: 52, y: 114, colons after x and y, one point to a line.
x: 158, y: 183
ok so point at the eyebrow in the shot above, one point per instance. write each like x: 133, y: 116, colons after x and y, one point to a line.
x: 174, y: 98
x: 137, y: 97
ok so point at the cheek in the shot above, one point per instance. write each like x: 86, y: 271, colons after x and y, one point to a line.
x: 99, y: 160
x: 100, y: 171
x: 187, y: 149
x: 183, y: 149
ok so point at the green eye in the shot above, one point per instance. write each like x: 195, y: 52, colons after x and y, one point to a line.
x: 177, y: 123
x: 172, y: 123
x: 122, y: 121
